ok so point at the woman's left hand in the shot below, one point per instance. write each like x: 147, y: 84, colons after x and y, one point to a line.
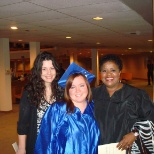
x: 127, y: 141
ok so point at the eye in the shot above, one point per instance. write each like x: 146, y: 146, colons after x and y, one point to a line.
x: 82, y: 85
x: 113, y: 70
x: 72, y: 87
x: 52, y: 68
x: 43, y: 69
x: 103, y: 71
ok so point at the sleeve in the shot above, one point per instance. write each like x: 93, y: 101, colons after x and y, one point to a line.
x: 145, y: 125
x: 45, y: 143
x: 24, y: 115
x: 95, y: 136
x: 145, y: 106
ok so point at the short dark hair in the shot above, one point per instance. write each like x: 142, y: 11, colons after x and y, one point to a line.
x: 70, y: 105
x: 111, y: 57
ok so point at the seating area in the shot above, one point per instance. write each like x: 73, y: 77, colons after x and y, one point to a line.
x: 126, y: 76
x: 17, y: 87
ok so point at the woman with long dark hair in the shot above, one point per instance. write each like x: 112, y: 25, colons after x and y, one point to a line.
x: 40, y: 92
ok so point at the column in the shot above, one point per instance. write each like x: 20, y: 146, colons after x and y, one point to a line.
x: 95, y: 65
x: 73, y: 58
x: 34, y: 51
x: 153, y: 41
x: 5, y: 76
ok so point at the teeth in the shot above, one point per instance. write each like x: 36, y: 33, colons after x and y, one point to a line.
x: 109, y: 78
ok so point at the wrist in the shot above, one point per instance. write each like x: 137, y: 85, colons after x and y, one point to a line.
x: 135, y: 132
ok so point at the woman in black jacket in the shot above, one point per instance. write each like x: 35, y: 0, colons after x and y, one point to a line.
x: 121, y: 110
x: 40, y: 92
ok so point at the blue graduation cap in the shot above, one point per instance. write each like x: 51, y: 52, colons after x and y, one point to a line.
x: 72, y: 69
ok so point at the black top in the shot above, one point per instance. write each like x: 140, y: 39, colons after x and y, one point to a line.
x: 116, y: 115
x: 27, y: 123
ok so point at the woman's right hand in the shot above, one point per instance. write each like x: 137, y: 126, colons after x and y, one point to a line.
x: 21, y: 151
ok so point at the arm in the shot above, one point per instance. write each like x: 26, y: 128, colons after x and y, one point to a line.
x: 21, y: 144
x: 23, y: 123
x: 144, y: 111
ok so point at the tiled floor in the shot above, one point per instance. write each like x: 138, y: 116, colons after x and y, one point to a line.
x: 8, y: 120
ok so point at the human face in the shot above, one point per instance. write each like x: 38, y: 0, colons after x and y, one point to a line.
x: 78, y: 91
x: 110, y: 74
x: 48, y: 71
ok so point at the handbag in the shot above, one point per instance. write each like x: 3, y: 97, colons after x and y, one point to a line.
x: 145, y: 141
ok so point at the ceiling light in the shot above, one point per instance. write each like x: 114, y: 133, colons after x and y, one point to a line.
x: 14, y: 27
x: 129, y: 48
x: 68, y: 37
x: 98, y: 43
x: 150, y: 40
x: 20, y: 40
x: 97, y: 18
x: 150, y: 51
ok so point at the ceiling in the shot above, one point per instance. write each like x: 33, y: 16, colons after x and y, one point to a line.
x: 126, y: 24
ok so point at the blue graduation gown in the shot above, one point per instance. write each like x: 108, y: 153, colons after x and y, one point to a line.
x: 63, y: 133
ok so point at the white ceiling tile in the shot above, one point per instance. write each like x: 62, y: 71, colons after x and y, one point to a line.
x: 19, y: 9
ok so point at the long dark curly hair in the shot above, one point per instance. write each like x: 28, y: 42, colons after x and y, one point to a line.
x: 36, y: 86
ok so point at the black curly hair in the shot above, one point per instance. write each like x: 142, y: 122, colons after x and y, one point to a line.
x: 111, y: 57
x: 35, y: 85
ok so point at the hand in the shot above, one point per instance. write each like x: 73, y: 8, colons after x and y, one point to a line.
x: 21, y: 151
x: 127, y: 141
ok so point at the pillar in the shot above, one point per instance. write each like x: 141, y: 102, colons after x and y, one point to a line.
x: 153, y: 43
x: 95, y: 65
x: 73, y: 57
x: 5, y: 76
x: 34, y: 51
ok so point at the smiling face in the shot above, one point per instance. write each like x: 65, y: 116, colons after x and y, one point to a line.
x: 110, y: 74
x: 78, y: 91
x: 48, y: 71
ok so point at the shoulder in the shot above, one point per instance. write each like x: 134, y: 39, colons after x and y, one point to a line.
x: 58, y: 106
x: 24, y: 96
x: 97, y: 90
x: 135, y: 93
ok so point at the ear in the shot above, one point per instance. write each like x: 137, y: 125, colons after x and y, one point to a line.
x: 120, y: 74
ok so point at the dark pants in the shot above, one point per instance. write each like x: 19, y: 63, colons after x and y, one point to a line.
x: 150, y: 76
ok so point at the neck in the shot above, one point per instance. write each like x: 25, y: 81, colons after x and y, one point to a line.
x: 48, y: 93
x: 111, y: 90
x: 82, y: 106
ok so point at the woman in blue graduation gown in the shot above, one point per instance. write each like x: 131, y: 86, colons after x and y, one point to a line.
x: 69, y: 127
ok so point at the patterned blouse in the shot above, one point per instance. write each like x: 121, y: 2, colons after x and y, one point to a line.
x: 41, y: 110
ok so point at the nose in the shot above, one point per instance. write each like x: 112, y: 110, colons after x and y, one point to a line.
x: 48, y: 71
x: 77, y: 89
x: 108, y: 73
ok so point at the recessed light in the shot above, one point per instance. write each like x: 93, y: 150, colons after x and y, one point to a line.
x: 68, y: 37
x: 14, y: 27
x: 150, y: 40
x: 129, y: 48
x: 97, y: 18
x: 20, y: 40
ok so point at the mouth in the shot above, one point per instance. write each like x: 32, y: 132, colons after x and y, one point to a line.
x: 109, y: 79
x: 78, y: 95
x: 47, y: 77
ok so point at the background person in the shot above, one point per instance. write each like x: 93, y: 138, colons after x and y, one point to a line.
x: 69, y: 127
x: 119, y: 107
x: 40, y: 92
x: 150, y: 72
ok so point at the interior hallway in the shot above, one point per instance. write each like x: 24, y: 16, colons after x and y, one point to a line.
x: 8, y: 120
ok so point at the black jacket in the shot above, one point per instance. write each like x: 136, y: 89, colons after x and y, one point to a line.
x: 116, y: 115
